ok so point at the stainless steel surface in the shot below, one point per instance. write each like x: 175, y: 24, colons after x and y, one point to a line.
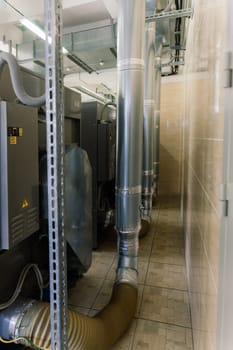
x: 78, y: 203
x: 19, y: 177
x: 149, y: 104
x: 11, y: 318
x: 129, y: 129
x: 55, y: 156
x: 98, y: 139
x: 156, y: 128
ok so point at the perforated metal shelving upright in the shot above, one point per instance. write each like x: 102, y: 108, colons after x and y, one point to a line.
x: 55, y: 156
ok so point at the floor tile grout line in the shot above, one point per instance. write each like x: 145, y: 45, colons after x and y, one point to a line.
x: 164, y: 323
x: 169, y: 264
x: 140, y: 304
x: 102, y: 284
x: 169, y: 288
x: 166, y: 263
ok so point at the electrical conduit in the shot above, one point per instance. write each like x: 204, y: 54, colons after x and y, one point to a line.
x: 31, y: 319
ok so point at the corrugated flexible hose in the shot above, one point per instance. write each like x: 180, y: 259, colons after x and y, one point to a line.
x: 84, y: 333
x: 17, y: 81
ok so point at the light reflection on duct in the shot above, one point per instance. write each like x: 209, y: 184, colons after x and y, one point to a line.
x: 38, y: 31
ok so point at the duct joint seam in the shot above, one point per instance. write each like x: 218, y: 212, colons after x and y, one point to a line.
x: 127, y: 262
x: 130, y: 231
x: 131, y: 63
x: 148, y: 172
x: 149, y: 103
x: 129, y: 190
x: 125, y: 275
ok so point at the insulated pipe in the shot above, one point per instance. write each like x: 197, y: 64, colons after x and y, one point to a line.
x: 17, y: 82
x: 156, y: 128
x: 149, y: 104
x: 131, y: 26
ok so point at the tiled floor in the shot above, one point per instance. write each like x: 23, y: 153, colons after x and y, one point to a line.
x: 162, y: 320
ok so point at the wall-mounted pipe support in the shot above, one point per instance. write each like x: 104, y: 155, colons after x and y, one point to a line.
x: 149, y: 104
x: 156, y: 128
x: 131, y: 26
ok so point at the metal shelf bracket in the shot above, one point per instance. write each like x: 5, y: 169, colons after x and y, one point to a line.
x: 55, y: 166
x: 188, y: 12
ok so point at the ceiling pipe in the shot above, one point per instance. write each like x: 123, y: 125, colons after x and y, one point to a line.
x: 149, y: 105
x: 131, y: 29
x: 156, y: 128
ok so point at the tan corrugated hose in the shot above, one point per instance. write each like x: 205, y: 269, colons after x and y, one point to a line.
x: 84, y: 333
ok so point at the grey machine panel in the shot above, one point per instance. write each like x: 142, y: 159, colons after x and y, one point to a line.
x: 98, y: 139
x: 19, y: 175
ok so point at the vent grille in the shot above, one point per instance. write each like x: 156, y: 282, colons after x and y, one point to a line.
x: 17, y: 229
x: 32, y: 220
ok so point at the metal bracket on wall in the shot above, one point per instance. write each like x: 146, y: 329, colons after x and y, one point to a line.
x: 228, y: 83
x: 55, y: 173
x: 223, y: 200
x: 171, y: 63
x: 188, y: 12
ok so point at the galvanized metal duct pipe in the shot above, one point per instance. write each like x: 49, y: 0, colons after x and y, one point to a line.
x: 131, y: 26
x: 17, y: 82
x: 149, y: 104
x: 156, y: 128
x: 29, y: 322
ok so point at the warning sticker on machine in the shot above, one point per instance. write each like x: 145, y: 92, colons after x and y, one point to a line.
x: 14, y: 131
x: 25, y: 204
x: 13, y: 140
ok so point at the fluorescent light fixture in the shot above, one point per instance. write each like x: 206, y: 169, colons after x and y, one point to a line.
x: 64, y: 51
x: 38, y: 31
x: 91, y: 93
x: 33, y: 28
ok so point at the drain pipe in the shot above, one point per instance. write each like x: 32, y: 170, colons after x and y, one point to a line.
x: 149, y: 104
x: 156, y: 128
x: 17, y: 81
x: 28, y: 322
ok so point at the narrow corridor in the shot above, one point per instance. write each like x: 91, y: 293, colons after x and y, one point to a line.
x: 162, y: 321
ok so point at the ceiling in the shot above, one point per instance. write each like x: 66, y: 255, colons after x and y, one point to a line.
x: 89, y: 33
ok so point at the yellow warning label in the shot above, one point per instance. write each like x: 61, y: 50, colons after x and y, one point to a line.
x: 13, y: 140
x: 25, y: 204
x: 20, y: 132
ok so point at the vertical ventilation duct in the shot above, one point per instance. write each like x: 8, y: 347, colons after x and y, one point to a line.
x: 156, y: 128
x: 131, y: 27
x: 149, y: 104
